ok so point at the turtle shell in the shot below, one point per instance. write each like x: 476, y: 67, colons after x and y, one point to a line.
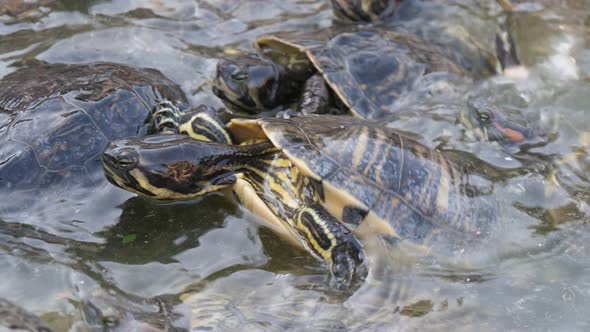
x: 56, y: 119
x: 376, y: 180
x: 371, y: 70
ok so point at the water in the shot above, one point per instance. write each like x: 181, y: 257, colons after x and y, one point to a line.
x: 145, y: 264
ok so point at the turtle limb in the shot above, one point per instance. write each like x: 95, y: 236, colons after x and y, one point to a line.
x: 329, y: 239
x: 315, y: 98
x: 364, y: 10
x: 506, y: 50
x: 203, y: 123
x: 166, y: 117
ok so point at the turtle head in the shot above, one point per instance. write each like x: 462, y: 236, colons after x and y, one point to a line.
x: 492, y: 123
x: 168, y: 167
x: 250, y: 83
x: 364, y: 10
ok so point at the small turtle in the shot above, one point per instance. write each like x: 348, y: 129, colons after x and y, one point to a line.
x: 313, y: 179
x: 518, y: 134
x: 368, y: 69
x: 491, y: 123
x: 56, y: 119
x: 15, y: 318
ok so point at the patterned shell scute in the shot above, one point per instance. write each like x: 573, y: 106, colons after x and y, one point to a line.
x: 370, y: 73
x: 47, y: 129
x: 413, y: 188
x: 56, y: 119
x: 301, y: 148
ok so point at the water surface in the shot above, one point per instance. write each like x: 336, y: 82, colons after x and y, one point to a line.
x: 208, y: 261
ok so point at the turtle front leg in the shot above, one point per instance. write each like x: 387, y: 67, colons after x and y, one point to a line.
x: 166, y: 118
x: 315, y: 98
x: 329, y: 239
x: 204, y: 124
x: 364, y: 10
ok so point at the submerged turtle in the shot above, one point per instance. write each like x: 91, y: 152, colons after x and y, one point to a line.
x: 518, y: 135
x: 320, y: 180
x: 15, y: 318
x: 56, y: 119
x: 369, y: 70
x: 494, y: 124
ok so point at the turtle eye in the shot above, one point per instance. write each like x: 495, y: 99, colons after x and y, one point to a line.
x: 484, y: 116
x: 126, y: 159
x: 237, y: 74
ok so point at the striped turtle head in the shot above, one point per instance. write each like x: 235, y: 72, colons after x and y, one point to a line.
x: 250, y: 83
x: 494, y: 124
x: 364, y: 10
x: 169, y: 166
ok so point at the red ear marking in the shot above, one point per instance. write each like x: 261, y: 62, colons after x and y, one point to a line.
x: 512, y: 135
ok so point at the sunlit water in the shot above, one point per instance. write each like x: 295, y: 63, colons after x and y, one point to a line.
x: 208, y: 262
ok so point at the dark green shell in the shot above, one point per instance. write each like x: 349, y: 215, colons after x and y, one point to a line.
x: 378, y: 174
x: 371, y: 70
x: 56, y: 119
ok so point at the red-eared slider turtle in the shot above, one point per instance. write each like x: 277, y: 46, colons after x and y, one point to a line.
x: 56, y: 119
x: 313, y: 178
x: 491, y: 123
x: 369, y: 70
x: 15, y: 318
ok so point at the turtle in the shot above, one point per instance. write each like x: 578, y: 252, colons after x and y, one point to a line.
x: 55, y: 119
x: 16, y: 318
x: 322, y: 181
x: 492, y: 123
x: 523, y: 137
x: 369, y: 70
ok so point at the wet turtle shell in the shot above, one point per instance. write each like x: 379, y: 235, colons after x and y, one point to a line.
x: 377, y: 181
x: 371, y: 70
x: 56, y: 119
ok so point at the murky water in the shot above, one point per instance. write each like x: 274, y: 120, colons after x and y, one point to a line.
x: 208, y: 262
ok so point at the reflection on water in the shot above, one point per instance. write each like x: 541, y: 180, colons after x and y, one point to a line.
x: 103, y: 257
